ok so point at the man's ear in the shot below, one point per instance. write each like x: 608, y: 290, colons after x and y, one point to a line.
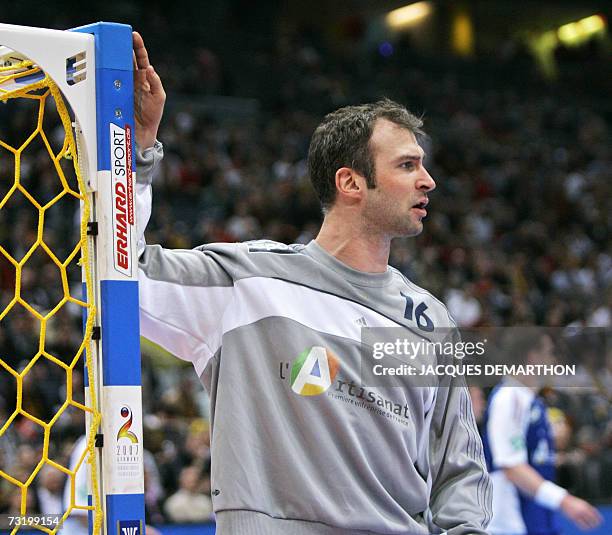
x: 349, y: 184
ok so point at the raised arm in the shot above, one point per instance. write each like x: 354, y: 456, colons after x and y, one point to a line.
x: 183, y: 293
x: 149, y: 100
x: 149, y: 96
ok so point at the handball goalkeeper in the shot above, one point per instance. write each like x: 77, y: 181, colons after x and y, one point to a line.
x: 273, y: 332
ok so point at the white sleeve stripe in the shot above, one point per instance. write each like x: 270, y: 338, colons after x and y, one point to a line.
x: 191, y: 316
x: 160, y: 322
x: 314, y: 309
x: 178, y: 341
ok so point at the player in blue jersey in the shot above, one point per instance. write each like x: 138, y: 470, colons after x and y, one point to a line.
x: 520, y: 453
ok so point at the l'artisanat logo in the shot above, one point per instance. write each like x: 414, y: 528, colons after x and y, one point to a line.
x: 314, y: 371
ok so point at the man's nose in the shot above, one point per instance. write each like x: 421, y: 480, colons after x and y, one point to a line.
x: 425, y: 181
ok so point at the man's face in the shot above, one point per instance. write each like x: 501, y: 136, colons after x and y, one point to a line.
x: 546, y: 352
x: 396, y: 206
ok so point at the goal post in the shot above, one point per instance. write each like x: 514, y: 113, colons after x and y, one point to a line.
x: 90, y: 67
x: 117, y: 264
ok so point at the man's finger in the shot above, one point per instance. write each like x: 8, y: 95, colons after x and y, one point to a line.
x: 594, y: 518
x: 141, y: 57
x: 154, y: 81
x: 589, y: 518
x: 140, y: 81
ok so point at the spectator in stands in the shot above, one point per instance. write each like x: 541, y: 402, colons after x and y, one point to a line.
x: 191, y: 503
x: 49, y: 490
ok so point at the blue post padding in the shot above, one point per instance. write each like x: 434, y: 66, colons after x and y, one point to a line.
x: 120, y: 332
x: 114, y: 83
x: 123, y: 508
x: 84, y: 321
x: 114, y: 106
x: 90, y: 514
x: 113, y: 44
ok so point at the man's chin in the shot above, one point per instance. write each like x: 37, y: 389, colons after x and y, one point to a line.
x: 411, y: 232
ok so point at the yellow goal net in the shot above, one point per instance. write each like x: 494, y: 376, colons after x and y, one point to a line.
x: 44, y: 257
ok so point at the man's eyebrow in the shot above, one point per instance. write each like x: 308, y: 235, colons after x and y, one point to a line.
x: 412, y: 156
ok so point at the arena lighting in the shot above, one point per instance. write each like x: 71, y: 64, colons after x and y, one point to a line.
x: 407, y: 16
x: 462, y: 35
x: 576, y: 32
x: 594, y: 23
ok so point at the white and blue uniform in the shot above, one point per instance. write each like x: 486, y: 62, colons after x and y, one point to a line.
x: 517, y: 431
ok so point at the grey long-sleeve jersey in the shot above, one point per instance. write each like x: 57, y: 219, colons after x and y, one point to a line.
x: 298, y: 446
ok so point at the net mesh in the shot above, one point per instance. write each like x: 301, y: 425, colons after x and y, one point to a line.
x: 32, y: 254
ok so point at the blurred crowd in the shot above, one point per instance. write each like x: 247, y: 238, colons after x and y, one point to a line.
x: 518, y: 232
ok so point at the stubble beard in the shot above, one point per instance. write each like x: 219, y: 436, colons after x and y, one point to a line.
x: 390, y: 221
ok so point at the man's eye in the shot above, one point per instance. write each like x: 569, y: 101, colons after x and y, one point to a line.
x: 408, y: 165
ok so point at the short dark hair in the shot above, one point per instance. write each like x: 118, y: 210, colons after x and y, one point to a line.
x: 343, y: 140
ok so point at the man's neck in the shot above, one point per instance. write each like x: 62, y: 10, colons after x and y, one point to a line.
x: 357, y: 249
